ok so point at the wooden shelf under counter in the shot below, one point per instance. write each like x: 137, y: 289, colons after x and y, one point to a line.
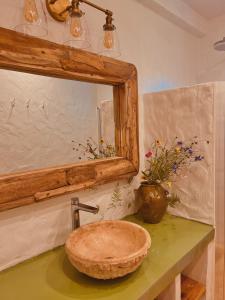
x: 191, y: 289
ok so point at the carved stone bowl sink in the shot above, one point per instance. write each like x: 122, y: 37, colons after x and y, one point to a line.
x: 108, y: 249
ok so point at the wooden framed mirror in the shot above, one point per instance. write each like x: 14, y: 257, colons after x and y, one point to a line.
x: 40, y: 57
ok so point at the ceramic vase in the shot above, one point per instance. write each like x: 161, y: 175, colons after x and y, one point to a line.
x: 154, y: 202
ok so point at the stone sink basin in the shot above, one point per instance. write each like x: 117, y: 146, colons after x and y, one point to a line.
x: 108, y: 249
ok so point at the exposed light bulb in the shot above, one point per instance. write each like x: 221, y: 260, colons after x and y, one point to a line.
x: 30, y: 11
x: 108, y: 39
x: 76, y: 28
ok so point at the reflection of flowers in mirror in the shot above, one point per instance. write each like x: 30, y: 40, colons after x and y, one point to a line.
x: 92, y: 150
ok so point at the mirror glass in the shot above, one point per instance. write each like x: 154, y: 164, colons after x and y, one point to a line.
x: 47, y: 122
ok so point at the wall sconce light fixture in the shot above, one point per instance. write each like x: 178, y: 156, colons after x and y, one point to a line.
x: 69, y: 12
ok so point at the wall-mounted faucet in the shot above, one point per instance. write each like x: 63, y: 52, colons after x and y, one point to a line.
x: 76, y: 207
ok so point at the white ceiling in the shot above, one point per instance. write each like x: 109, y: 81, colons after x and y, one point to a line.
x: 207, y: 8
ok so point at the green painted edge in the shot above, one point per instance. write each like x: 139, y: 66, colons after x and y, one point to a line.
x: 171, y: 273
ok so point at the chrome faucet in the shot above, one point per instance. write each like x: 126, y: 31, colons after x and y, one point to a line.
x: 76, y: 207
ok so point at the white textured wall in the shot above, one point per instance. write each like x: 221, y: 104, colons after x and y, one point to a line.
x: 185, y: 113
x: 40, y: 117
x: 211, y: 67
x: 165, y: 56
x: 220, y: 166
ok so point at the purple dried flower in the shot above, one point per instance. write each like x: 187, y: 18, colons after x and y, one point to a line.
x: 199, y: 158
x: 190, y: 151
x: 175, y: 168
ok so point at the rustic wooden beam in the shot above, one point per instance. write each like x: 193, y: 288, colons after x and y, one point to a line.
x: 191, y: 289
x: 33, y: 55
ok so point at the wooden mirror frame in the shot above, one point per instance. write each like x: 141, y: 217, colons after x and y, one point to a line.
x: 32, y: 55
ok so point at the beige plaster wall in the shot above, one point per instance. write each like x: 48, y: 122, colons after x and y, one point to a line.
x: 185, y: 113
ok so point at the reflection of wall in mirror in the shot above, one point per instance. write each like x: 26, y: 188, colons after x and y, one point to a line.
x: 106, y: 113
x: 107, y: 122
x: 39, y: 118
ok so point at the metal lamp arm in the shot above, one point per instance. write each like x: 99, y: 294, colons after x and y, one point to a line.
x: 106, y: 11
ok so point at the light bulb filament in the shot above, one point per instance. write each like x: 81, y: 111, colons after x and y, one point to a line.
x: 76, y: 27
x: 30, y: 11
x: 109, y: 39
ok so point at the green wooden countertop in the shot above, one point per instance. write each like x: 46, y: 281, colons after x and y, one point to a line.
x: 175, y: 243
